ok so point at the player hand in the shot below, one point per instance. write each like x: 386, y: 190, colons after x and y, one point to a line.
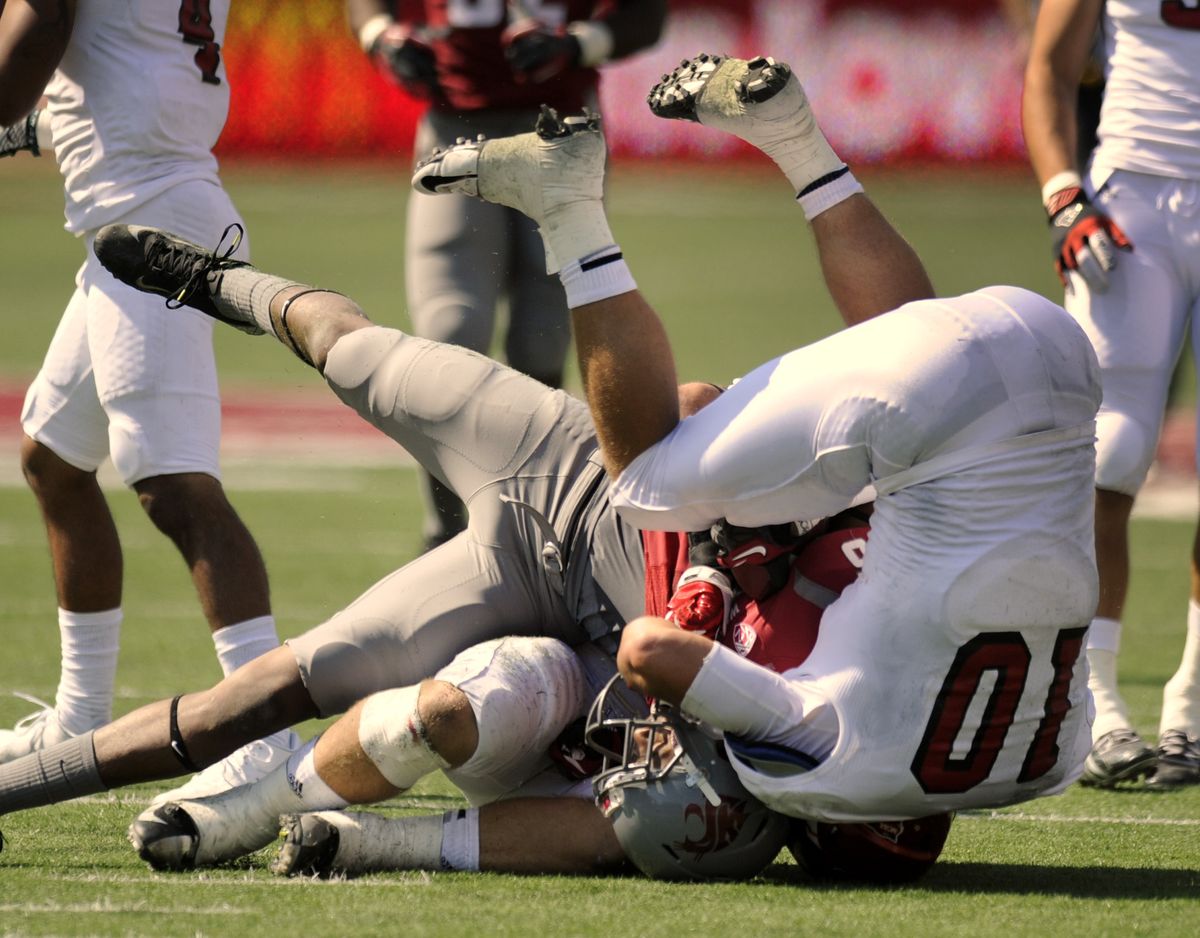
x: 537, y: 52
x: 20, y: 136
x: 702, y: 601
x: 1085, y: 239
x: 403, y: 55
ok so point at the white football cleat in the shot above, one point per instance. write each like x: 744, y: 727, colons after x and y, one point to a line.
x: 252, y: 762
x: 554, y: 175
x: 760, y: 100
x: 34, y: 732
x: 310, y: 844
x: 182, y: 835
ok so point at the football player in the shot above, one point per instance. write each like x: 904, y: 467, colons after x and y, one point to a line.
x: 485, y: 67
x: 951, y: 675
x: 1125, y: 232
x: 118, y: 381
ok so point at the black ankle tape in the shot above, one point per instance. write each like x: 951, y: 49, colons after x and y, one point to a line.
x: 291, y: 340
x: 178, y: 746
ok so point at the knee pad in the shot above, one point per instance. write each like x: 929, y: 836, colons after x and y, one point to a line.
x: 524, y: 693
x: 1124, y: 450
x: 392, y: 735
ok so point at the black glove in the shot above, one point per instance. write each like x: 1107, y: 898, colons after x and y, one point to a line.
x: 21, y: 136
x: 403, y: 55
x: 537, y: 52
x: 1085, y: 239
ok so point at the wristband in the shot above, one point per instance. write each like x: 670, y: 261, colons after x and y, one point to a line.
x: 595, y: 42
x: 1065, y: 180
x: 372, y: 29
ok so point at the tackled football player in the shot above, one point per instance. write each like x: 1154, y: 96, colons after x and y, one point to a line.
x: 951, y: 675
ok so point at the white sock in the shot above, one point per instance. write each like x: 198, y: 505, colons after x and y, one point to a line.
x: 1181, y: 696
x: 312, y: 792
x: 597, y: 276
x: 1104, y: 642
x: 241, y: 643
x: 460, y: 840
x: 824, y: 193
x: 90, y: 644
x: 245, y: 294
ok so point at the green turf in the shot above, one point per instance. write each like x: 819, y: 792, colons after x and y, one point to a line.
x: 726, y: 260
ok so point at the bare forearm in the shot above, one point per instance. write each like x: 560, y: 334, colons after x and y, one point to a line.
x: 547, y: 835
x: 628, y: 374
x: 1061, y: 44
x: 33, y: 37
x: 868, y: 267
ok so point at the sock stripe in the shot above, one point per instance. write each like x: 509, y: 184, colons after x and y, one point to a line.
x: 823, y: 181
x: 600, y: 261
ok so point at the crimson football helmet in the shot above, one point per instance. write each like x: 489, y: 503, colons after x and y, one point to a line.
x: 875, y: 852
x: 675, y: 802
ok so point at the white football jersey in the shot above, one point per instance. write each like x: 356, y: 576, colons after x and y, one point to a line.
x: 1150, y: 120
x: 137, y: 103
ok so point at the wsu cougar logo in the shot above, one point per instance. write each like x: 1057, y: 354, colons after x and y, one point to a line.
x: 722, y: 825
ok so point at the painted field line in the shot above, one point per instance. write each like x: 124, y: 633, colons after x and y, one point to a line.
x: 107, y: 906
x: 1080, y: 819
x: 402, y: 880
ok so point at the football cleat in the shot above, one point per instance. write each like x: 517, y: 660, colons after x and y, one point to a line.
x: 203, y: 831
x: 165, y: 837
x: 155, y: 261
x: 761, y: 101
x: 1116, y: 757
x: 252, y: 762
x: 1178, y: 760
x: 684, y: 94
x: 34, y: 732
x: 309, y: 848
x: 561, y: 161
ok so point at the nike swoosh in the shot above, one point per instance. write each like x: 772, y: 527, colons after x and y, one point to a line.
x: 141, y: 284
x: 433, y: 183
x: 747, y: 553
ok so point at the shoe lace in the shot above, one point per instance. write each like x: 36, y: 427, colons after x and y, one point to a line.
x: 39, y: 716
x: 180, y: 261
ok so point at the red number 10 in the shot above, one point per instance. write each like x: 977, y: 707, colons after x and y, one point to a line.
x: 1006, y: 655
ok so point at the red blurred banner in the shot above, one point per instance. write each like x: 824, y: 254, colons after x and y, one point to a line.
x: 931, y: 80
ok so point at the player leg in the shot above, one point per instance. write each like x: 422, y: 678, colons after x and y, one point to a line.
x: 487, y: 718
x: 1137, y: 356
x: 1178, y: 747
x: 65, y: 442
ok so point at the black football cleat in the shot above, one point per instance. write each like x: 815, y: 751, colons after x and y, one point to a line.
x: 155, y: 261
x: 1178, y: 760
x: 1117, y: 757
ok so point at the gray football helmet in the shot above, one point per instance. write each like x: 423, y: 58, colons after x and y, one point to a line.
x: 675, y: 802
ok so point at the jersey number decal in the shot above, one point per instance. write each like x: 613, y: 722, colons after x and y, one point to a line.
x: 1006, y: 656
x: 195, y: 25
x: 1179, y: 14
x: 486, y: 14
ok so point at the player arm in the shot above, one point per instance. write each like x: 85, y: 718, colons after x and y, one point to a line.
x: 33, y: 37
x: 1062, y: 41
x: 868, y: 267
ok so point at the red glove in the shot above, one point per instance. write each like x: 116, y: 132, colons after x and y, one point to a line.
x: 537, y: 52
x: 1085, y: 239
x: 701, y: 602
x: 404, y: 56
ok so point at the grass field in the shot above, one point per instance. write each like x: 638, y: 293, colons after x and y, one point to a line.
x: 725, y: 259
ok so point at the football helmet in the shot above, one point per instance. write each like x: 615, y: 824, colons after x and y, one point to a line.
x: 675, y: 802
x: 874, y: 852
